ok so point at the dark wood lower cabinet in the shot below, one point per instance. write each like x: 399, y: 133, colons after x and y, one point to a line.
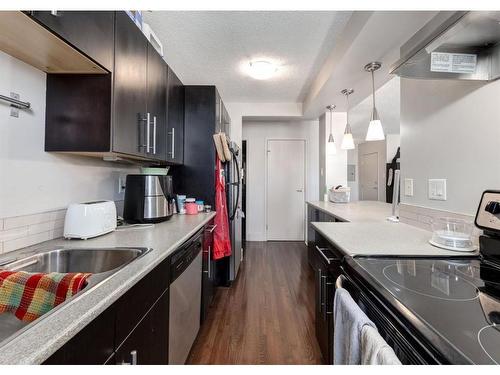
x: 92, y: 345
x: 147, y: 344
x: 133, y: 329
x: 326, y: 262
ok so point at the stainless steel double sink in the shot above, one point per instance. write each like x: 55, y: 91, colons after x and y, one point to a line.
x: 102, y: 263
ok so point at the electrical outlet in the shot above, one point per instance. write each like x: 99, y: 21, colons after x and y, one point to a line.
x: 409, y: 187
x: 122, y: 178
x: 437, y: 189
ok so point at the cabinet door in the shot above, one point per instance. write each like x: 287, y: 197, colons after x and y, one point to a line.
x: 218, y: 112
x: 208, y: 277
x: 90, y: 32
x: 323, y: 319
x: 147, y: 344
x: 156, y: 105
x: 130, y: 73
x: 226, y: 121
x: 135, y: 303
x: 93, y: 345
x: 175, y: 119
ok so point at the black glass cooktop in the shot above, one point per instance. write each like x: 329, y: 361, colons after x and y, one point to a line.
x: 456, y: 300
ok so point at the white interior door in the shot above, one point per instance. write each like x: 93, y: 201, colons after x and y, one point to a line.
x: 285, y: 190
x: 368, y: 176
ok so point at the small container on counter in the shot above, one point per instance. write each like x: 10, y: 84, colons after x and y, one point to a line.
x: 208, y: 208
x: 181, y: 201
x: 191, y: 206
x: 200, y: 205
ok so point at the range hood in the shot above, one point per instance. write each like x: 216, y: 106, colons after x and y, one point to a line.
x: 454, y: 45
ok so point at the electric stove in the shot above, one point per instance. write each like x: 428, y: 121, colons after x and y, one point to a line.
x: 436, y: 310
x: 454, y: 304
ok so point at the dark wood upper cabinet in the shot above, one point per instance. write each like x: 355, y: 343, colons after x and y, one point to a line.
x: 122, y: 114
x: 156, y: 104
x: 91, y: 32
x: 130, y: 88
x: 175, y: 119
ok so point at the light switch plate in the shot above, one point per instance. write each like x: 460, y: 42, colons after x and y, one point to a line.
x: 437, y: 189
x: 409, y: 187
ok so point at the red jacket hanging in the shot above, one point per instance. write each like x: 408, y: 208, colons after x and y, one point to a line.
x: 222, y: 241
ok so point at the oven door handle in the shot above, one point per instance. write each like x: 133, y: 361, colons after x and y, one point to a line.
x: 339, y: 283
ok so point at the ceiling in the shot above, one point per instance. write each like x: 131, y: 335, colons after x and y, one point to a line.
x: 387, y: 99
x: 210, y: 47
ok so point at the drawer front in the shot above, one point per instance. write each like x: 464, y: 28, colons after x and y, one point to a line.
x: 147, y: 344
x: 93, y: 345
x: 134, y: 304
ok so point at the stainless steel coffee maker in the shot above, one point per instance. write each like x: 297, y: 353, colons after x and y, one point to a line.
x: 148, y: 198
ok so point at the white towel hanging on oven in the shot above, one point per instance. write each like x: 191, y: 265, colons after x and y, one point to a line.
x: 374, y: 349
x: 349, y: 320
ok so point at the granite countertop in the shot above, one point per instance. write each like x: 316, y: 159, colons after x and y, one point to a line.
x: 382, y: 238
x: 47, y: 335
x: 359, y: 211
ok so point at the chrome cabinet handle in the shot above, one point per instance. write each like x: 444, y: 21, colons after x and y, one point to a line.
x: 320, y: 292
x: 299, y: 190
x: 323, y: 295
x: 173, y: 143
x: 172, y: 149
x: 323, y: 254
x: 209, y: 260
x: 326, y: 302
x: 212, y: 228
x: 148, y: 132
x: 154, y: 134
x: 133, y: 359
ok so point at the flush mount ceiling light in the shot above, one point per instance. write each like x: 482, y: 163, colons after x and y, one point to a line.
x: 262, y: 69
x: 332, y: 149
x: 375, y: 131
x: 347, y: 141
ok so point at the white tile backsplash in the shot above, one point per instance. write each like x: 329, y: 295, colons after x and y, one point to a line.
x: 12, y: 234
x: 422, y: 217
x: 22, y: 231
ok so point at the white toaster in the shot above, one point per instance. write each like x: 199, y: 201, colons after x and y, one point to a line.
x: 89, y: 219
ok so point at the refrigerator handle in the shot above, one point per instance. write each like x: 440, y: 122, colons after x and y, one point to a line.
x: 237, y: 184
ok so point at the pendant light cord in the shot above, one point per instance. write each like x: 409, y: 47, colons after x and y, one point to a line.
x: 330, y: 121
x: 347, y: 98
x: 373, y: 89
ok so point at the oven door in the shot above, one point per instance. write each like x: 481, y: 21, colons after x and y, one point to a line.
x: 406, y: 347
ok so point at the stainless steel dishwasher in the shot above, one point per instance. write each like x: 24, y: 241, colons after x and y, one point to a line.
x: 185, y: 300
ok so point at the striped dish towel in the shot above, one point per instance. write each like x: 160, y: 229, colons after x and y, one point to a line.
x: 30, y: 295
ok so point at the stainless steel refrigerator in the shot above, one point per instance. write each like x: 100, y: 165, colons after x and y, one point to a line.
x: 233, y: 190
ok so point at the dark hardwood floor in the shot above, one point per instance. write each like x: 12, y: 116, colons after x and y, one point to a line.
x: 267, y: 316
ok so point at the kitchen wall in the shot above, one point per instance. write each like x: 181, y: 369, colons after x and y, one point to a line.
x: 450, y: 129
x: 352, y: 159
x: 380, y: 148
x: 336, y: 162
x: 33, y: 181
x: 240, y: 112
x: 256, y: 134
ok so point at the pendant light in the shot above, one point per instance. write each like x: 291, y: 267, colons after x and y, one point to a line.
x: 332, y: 149
x: 347, y: 141
x: 375, y: 131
